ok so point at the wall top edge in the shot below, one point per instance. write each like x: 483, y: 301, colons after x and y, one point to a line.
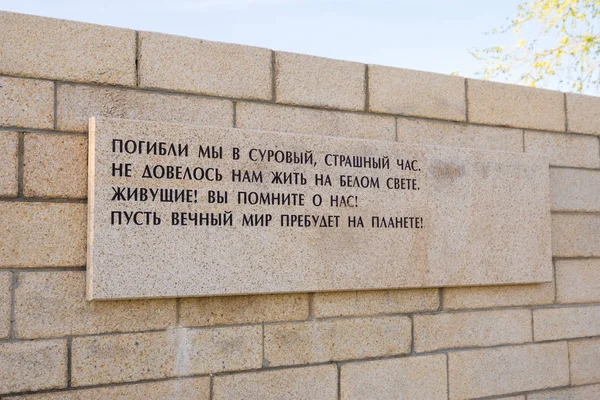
x: 10, y: 14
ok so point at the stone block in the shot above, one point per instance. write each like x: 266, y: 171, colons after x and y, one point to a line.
x: 494, y: 103
x: 49, y: 304
x: 420, y: 131
x: 584, y: 356
x: 202, y: 311
x: 31, y: 366
x: 320, y: 82
x: 5, y: 303
x: 334, y: 340
x: 176, y: 389
x: 583, y: 114
x: 505, y: 370
x: 25, y: 103
x: 471, y: 329
x: 574, y: 190
x: 55, y: 166
x: 291, y: 384
x: 9, y: 164
x: 373, y: 302
x: 266, y: 117
x: 575, y: 393
x: 566, y: 323
x: 576, y: 235
x: 200, y: 66
x: 416, y: 93
x: 65, y: 50
x: 42, y: 234
x: 498, y: 296
x: 578, y: 281
x: 156, y: 355
x: 77, y: 103
x: 400, y: 378
x: 564, y: 150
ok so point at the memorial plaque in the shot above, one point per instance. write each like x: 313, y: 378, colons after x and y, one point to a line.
x: 180, y: 211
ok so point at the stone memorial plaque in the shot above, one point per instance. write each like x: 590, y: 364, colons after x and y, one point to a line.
x: 180, y: 211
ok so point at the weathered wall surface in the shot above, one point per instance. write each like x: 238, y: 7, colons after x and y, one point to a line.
x: 523, y: 342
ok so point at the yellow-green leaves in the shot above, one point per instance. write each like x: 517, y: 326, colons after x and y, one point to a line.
x: 557, y: 43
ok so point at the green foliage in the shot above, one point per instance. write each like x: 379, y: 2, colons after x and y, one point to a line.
x: 564, y: 51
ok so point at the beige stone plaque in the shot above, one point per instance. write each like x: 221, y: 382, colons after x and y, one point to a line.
x: 180, y: 211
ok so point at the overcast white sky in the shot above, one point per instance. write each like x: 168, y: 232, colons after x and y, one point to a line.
x: 430, y: 35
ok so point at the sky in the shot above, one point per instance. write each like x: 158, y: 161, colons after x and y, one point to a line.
x: 428, y: 35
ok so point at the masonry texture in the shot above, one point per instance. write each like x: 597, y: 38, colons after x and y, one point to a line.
x: 526, y: 342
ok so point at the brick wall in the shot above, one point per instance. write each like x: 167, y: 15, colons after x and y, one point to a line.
x: 520, y: 342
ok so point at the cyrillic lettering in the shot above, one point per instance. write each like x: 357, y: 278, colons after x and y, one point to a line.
x: 149, y: 148
x: 201, y: 219
x: 238, y: 175
x: 309, y: 220
x: 256, y: 219
x: 210, y: 152
x: 218, y: 197
x: 341, y: 160
x: 270, y: 198
x: 178, y: 172
x: 134, y: 217
x: 365, y: 182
